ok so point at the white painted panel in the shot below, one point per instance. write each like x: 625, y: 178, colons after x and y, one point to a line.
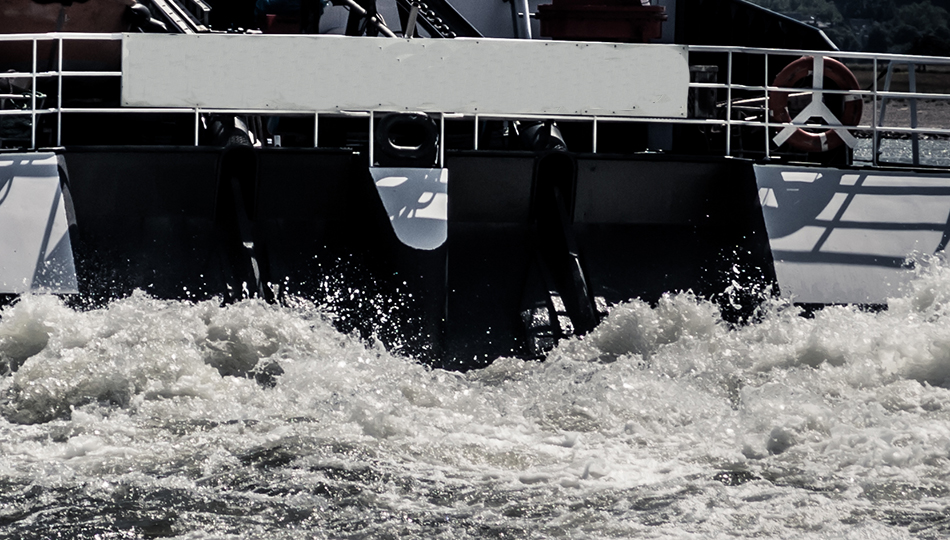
x: 834, y: 205
x: 829, y: 283
x: 334, y: 73
x: 417, y: 202
x: 903, y: 180
x: 35, y: 252
x: 841, y: 236
x: 803, y: 239
x: 934, y: 209
x: 881, y: 243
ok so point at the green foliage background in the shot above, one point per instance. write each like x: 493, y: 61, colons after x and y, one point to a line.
x: 898, y: 26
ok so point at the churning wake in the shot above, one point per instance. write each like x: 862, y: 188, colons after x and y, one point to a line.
x: 153, y: 418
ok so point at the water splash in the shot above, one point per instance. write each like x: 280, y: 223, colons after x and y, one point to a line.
x: 138, y: 420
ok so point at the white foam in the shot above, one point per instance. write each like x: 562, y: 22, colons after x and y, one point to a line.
x: 622, y: 433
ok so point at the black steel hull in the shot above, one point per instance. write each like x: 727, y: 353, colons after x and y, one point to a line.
x: 151, y: 219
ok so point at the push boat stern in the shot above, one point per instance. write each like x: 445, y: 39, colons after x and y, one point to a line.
x: 425, y: 205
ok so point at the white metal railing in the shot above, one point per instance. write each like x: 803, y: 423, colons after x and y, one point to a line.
x: 732, y: 95
x: 57, y: 39
x: 878, y: 98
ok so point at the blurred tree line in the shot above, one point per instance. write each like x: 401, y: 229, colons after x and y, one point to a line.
x: 897, y: 26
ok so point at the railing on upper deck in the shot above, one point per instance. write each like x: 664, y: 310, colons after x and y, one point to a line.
x: 738, y: 98
x: 875, y: 125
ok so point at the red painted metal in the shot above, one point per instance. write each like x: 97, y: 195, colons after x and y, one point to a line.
x: 601, y: 20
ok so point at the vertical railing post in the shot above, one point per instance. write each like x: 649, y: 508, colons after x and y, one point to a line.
x: 372, y: 138
x: 33, y: 102
x: 874, y: 133
x: 884, y: 100
x: 442, y: 140
x: 59, y: 93
x: 594, y: 144
x: 768, y: 153
x: 912, y: 87
x: 729, y: 104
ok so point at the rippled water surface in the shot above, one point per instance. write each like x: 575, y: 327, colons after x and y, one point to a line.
x: 663, y: 423
x: 931, y: 152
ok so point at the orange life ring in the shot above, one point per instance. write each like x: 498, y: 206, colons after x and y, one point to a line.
x: 800, y: 69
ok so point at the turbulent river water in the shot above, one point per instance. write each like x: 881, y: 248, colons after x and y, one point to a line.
x: 665, y: 422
